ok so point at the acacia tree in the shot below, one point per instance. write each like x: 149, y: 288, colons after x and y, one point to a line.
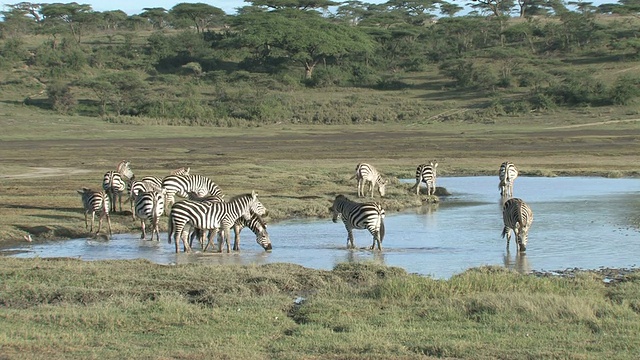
x: 74, y: 15
x: 200, y: 14
x: 158, y: 17
x: 297, y: 36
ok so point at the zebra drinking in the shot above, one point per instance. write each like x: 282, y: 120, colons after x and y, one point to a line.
x: 255, y: 224
x: 517, y: 217
x: 366, y: 173
x: 182, y: 185
x: 216, y: 216
x: 426, y: 173
x: 149, y: 205
x: 507, y: 174
x: 114, y: 183
x: 360, y: 216
x: 92, y: 202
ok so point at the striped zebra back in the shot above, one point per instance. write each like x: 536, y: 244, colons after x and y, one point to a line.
x: 182, y: 185
x: 367, y: 173
x: 507, y: 175
x: 356, y: 215
x: 94, y: 201
x: 150, y: 204
x: 181, y: 171
x: 426, y: 173
x: 113, y: 181
x: 517, y: 217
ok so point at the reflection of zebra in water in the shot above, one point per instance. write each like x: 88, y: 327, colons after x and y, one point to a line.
x: 426, y: 173
x: 517, y: 216
x: 360, y: 216
x: 114, y: 183
x: 366, y: 173
x: 182, y: 185
x: 149, y: 205
x: 92, y: 202
x: 507, y: 174
x: 216, y: 216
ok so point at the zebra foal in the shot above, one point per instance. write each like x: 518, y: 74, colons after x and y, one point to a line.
x: 367, y: 174
x: 360, y: 216
x: 95, y: 202
x: 149, y: 205
x: 507, y: 175
x: 517, y: 217
x: 426, y: 173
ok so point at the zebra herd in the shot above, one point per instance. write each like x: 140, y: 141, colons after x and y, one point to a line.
x: 516, y: 214
x: 204, y: 208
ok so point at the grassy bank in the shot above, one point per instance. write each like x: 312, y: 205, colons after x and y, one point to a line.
x: 57, y: 308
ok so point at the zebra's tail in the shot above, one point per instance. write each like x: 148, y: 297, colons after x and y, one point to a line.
x: 505, y: 231
x: 381, y: 229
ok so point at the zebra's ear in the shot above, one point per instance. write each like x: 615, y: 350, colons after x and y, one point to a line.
x: 254, y: 194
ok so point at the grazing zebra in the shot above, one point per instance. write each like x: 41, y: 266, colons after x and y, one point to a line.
x: 149, y: 205
x: 114, y: 183
x: 255, y: 224
x: 366, y: 173
x: 92, y: 202
x: 517, y: 216
x: 426, y: 173
x: 182, y: 185
x: 508, y: 174
x: 360, y: 216
x: 216, y: 216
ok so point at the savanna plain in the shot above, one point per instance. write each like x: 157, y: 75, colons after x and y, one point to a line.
x: 66, y: 308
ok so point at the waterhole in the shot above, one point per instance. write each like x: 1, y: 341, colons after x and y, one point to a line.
x: 582, y: 222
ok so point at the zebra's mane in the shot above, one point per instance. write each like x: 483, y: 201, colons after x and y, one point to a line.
x: 241, y: 196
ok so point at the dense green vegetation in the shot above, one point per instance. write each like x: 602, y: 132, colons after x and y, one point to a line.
x: 293, y: 61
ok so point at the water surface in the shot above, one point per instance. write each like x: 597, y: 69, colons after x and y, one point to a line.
x: 578, y: 222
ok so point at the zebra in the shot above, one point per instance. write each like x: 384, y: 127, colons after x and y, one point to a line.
x: 255, y: 224
x: 92, y: 202
x: 517, y: 217
x: 367, y: 173
x: 360, y: 216
x: 182, y: 185
x: 134, y: 186
x: 507, y: 174
x: 214, y: 216
x: 114, y: 183
x: 149, y: 205
x: 427, y: 173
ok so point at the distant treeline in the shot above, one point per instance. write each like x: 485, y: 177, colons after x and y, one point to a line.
x: 194, y: 63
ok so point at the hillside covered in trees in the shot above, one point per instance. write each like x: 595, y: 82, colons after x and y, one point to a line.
x: 321, y: 61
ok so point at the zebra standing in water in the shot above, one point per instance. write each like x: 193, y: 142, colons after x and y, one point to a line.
x: 517, y: 217
x: 366, y: 173
x: 92, y: 202
x: 216, y: 216
x: 114, y: 183
x: 182, y: 185
x: 508, y: 174
x: 255, y: 224
x: 360, y: 216
x: 134, y: 187
x: 427, y: 173
x: 149, y: 205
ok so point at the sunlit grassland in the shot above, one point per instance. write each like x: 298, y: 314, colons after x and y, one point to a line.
x: 135, y: 309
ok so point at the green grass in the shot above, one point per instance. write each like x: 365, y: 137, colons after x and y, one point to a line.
x: 135, y: 309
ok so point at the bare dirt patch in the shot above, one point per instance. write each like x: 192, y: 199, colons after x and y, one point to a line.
x: 41, y: 172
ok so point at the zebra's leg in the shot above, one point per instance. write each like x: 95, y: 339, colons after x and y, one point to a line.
x: 99, y: 224
x: 109, y: 223
x: 506, y: 232
x: 86, y: 220
x: 144, y: 232
x: 93, y: 215
x: 376, y: 240
x: 350, y: 244
x: 226, y: 235
x: 359, y: 184
x: 236, y: 237
x: 212, y: 235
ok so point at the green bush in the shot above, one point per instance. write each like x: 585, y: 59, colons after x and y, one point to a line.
x: 625, y: 90
x: 60, y: 97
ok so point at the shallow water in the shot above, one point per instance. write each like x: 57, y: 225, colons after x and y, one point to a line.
x: 578, y: 222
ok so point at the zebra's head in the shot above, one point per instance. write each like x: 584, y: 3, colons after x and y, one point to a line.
x: 382, y: 186
x: 124, y: 168
x: 263, y: 240
x: 335, y: 212
x: 522, y: 239
x: 255, y: 206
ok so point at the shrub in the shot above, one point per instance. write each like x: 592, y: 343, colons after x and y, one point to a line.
x: 625, y: 90
x: 60, y: 97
